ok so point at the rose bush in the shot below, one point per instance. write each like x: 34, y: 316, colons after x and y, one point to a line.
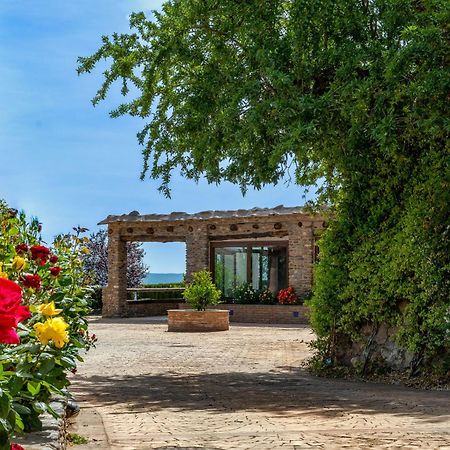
x: 287, y: 296
x: 43, y: 327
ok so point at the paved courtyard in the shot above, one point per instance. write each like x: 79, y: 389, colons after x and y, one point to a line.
x: 145, y: 388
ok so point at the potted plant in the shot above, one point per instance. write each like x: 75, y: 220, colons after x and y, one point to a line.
x: 200, y: 294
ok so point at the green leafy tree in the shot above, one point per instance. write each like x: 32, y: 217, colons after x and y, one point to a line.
x: 351, y: 95
x: 202, y: 292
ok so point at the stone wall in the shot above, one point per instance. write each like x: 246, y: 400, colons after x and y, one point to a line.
x: 270, y: 314
x: 275, y: 314
x: 54, y: 431
x: 378, y: 348
x: 143, y: 308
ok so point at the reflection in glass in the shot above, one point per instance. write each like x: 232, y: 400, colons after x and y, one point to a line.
x: 264, y: 267
x: 230, y: 268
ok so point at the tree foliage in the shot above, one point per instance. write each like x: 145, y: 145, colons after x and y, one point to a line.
x: 202, y: 292
x: 351, y: 95
x: 96, y: 261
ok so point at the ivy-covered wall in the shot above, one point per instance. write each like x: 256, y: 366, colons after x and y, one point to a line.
x: 385, y: 261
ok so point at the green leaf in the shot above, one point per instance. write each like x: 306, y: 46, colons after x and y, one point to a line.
x: 39, y: 407
x: 5, y: 405
x: 21, y: 409
x: 34, y: 387
x: 46, y: 366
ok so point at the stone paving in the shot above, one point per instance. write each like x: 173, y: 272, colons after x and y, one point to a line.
x: 145, y: 388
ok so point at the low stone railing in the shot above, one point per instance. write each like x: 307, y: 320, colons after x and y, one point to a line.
x: 173, y: 290
x: 148, y: 306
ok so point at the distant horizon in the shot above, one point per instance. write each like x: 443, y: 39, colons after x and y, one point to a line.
x: 162, y: 278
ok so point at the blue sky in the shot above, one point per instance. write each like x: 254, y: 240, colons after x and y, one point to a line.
x: 67, y: 162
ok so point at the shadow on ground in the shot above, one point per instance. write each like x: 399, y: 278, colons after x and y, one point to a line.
x: 288, y: 393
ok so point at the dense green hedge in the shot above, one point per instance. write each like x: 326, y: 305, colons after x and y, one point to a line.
x: 386, y: 259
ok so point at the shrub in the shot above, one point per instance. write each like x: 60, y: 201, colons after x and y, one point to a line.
x: 287, y: 296
x: 202, y: 292
x: 245, y: 294
x: 50, y: 282
x: 95, y: 301
x: 267, y: 297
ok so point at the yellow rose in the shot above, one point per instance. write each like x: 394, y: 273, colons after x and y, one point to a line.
x: 3, y: 274
x: 49, y: 309
x: 85, y: 250
x: 54, y: 329
x: 19, y: 263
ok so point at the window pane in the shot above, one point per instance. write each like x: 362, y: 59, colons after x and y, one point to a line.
x: 230, y: 268
x: 277, y: 268
x: 269, y: 268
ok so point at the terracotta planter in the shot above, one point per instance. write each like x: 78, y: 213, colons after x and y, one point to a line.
x: 190, y: 320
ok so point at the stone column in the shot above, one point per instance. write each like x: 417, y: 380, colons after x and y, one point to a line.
x: 115, y: 294
x: 197, y: 250
x: 301, y: 257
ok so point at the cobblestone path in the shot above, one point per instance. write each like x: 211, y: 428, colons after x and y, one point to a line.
x: 145, y: 388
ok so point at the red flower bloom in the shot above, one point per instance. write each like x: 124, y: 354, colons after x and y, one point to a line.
x: 11, y: 311
x: 21, y: 248
x: 16, y: 447
x: 53, y: 259
x: 31, y: 281
x: 41, y: 253
x: 287, y: 296
x: 55, y: 271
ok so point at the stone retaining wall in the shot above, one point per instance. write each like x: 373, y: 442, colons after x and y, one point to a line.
x: 281, y: 314
x: 142, y: 308
x: 53, y: 434
x: 288, y: 314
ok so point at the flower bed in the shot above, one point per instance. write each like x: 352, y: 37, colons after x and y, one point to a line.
x: 245, y: 294
x: 43, y: 326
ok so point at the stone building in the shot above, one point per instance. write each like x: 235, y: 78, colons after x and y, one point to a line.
x: 269, y: 248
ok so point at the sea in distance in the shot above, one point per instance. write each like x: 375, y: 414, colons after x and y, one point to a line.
x: 158, y: 278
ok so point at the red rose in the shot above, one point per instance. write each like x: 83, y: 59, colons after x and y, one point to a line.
x: 41, y: 253
x: 11, y: 311
x: 21, y: 248
x: 31, y: 281
x: 287, y: 296
x: 53, y: 259
x: 55, y: 271
x: 16, y: 447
